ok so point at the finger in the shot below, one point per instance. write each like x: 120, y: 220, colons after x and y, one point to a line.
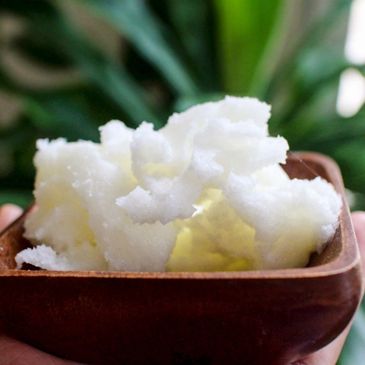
x: 8, y: 214
x: 358, y: 220
x: 16, y: 353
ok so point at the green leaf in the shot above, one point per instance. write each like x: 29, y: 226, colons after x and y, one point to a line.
x: 138, y: 24
x: 312, y: 39
x: 191, y: 20
x: 244, y: 30
x: 37, y: 50
x: 18, y: 7
x: 109, y: 76
x: 351, y: 158
x: 22, y: 198
x: 322, y: 69
x: 357, y: 202
x: 61, y: 116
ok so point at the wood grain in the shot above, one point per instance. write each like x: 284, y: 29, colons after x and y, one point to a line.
x: 257, y: 317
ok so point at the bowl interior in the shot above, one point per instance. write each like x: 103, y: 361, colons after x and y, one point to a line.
x: 299, y: 165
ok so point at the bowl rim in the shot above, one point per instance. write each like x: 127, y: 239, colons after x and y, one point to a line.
x: 347, y: 259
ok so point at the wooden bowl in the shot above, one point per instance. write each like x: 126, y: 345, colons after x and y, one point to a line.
x: 257, y: 317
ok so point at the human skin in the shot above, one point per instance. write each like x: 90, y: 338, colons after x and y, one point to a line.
x: 16, y: 353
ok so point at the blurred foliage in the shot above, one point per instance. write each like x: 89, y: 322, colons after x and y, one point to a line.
x: 174, y: 54
x: 354, y: 350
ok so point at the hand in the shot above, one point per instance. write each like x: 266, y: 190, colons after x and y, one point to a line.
x: 16, y: 353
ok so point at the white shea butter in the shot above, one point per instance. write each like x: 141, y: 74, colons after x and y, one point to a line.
x: 204, y: 193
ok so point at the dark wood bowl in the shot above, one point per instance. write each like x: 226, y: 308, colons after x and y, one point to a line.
x: 257, y: 317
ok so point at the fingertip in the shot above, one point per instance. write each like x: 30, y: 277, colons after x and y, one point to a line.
x: 358, y: 216
x: 8, y: 214
x: 358, y: 220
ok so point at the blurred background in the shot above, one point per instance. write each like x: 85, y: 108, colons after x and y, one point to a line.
x: 68, y: 66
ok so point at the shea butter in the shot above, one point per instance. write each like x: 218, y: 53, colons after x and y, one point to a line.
x: 204, y: 193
